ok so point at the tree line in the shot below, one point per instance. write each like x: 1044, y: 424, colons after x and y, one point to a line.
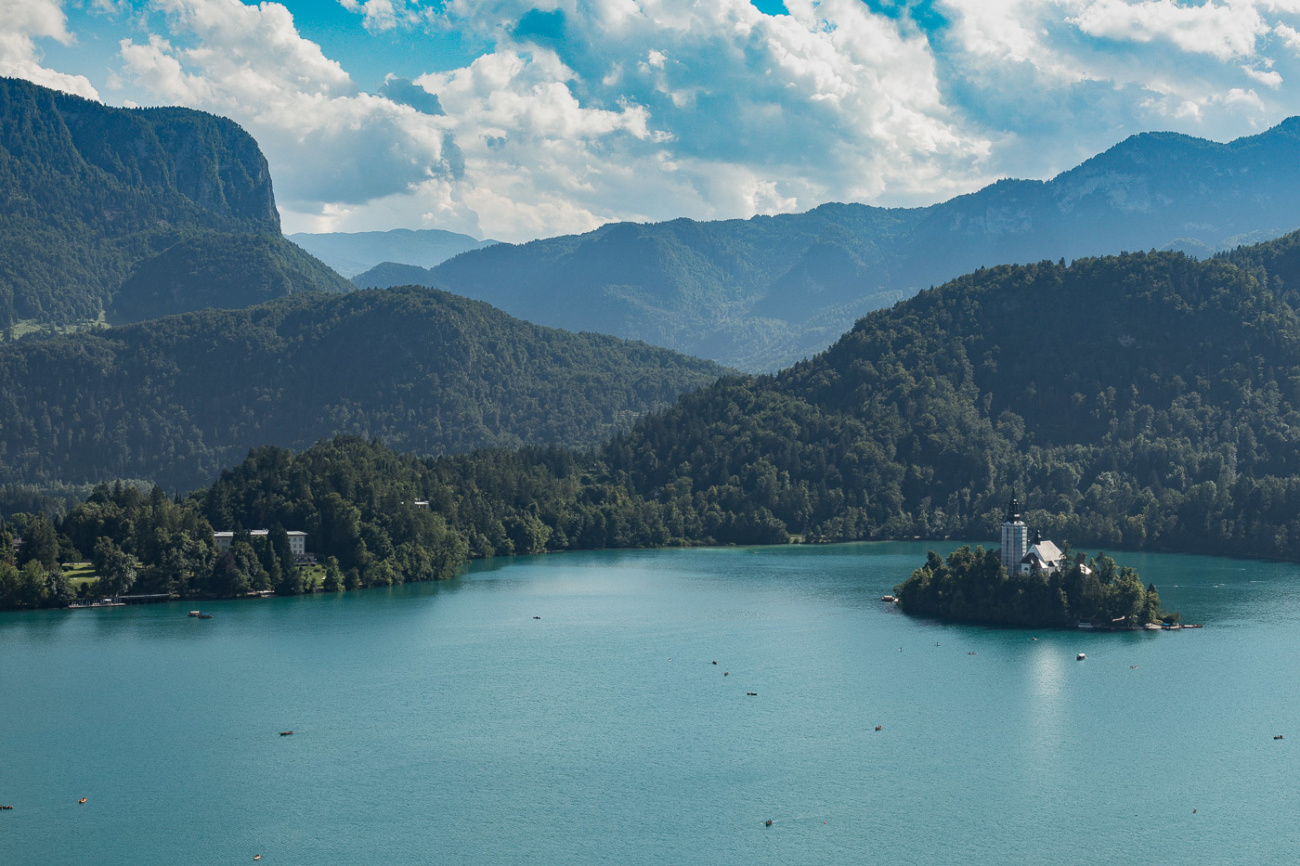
x: 972, y: 586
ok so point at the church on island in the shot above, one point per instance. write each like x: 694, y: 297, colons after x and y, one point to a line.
x: 1018, y: 554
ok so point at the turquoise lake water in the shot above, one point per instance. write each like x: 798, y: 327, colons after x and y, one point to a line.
x: 445, y: 724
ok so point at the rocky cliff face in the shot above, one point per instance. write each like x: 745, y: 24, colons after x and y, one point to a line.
x: 90, y: 193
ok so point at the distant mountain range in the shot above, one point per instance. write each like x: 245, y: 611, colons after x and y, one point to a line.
x: 350, y: 253
x: 162, y: 209
x: 174, y: 400
x: 763, y: 292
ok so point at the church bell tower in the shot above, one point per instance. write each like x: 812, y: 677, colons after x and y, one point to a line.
x: 1015, y: 537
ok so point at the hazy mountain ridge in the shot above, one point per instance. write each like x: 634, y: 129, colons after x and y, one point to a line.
x: 89, y: 193
x: 176, y: 399
x: 763, y: 292
x: 351, y: 253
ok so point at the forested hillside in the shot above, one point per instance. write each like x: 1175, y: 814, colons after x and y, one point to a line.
x: 224, y: 271
x: 1138, y: 401
x: 91, y: 196
x: 762, y: 293
x: 176, y: 399
x: 1145, y: 400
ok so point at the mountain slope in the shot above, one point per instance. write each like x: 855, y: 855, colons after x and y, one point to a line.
x: 226, y: 271
x: 1139, y: 400
x: 764, y: 292
x: 176, y: 399
x: 89, y: 194
x: 351, y: 253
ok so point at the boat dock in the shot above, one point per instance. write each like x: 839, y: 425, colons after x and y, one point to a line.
x: 123, y: 601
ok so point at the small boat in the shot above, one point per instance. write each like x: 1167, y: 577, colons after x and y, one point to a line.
x: 1277, y: 736
x: 194, y: 613
x: 1081, y: 657
x: 880, y: 727
x: 752, y: 694
x: 726, y: 673
x: 257, y: 856
x: 286, y: 733
x: 82, y: 800
x: 5, y: 807
x: 537, y: 617
x: 888, y: 598
x: 767, y: 823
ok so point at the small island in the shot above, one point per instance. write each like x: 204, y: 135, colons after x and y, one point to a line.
x: 1030, y: 585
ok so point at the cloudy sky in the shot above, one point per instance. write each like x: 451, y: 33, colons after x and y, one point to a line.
x: 518, y: 119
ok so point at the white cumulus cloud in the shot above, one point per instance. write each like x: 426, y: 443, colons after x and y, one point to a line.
x: 573, y: 113
x: 582, y: 112
x: 1222, y: 30
x: 22, y: 22
x: 603, y: 109
x: 1065, y: 78
x: 332, y: 147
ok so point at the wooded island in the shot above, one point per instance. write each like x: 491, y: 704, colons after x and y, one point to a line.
x: 1030, y: 585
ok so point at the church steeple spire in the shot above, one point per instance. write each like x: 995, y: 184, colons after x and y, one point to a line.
x: 1015, y: 537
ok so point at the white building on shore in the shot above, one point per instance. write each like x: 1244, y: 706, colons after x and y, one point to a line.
x: 297, y: 540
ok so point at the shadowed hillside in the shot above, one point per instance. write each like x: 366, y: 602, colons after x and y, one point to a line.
x: 176, y: 399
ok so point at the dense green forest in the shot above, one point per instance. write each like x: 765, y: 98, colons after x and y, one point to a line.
x: 1142, y: 400
x: 972, y: 586
x: 174, y: 400
x: 228, y: 271
x: 1135, y: 401
x: 90, y: 195
x: 373, y: 517
x: 761, y: 293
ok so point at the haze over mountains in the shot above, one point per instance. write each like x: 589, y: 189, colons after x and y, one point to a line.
x: 763, y: 292
x: 176, y: 203
x: 351, y: 253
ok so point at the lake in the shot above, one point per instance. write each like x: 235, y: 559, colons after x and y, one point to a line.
x: 566, y: 709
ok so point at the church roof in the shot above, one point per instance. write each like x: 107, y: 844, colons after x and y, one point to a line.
x: 1044, y: 551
